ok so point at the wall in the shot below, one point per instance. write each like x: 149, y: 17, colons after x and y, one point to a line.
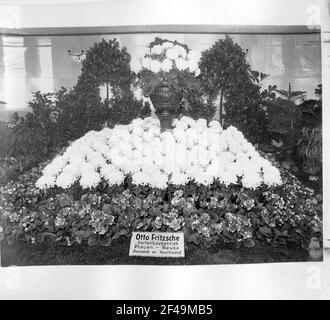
x: 142, y: 12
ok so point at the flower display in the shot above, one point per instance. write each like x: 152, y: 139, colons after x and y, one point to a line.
x: 165, y: 56
x: 194, y: 151
x: 206, y: 214
x: 166, y: 62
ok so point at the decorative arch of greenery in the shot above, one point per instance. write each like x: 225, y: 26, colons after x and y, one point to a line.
x: 226, y: 73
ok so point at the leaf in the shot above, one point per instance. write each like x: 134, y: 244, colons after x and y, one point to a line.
x: 122, y: 232
x: 93, y: 240
x: 249, y: 243
x: 277, y: 233
x: 265, y: 231
x: 40, y: 237
x: 229, y: 234
x: 106, y: 241
x: 78, y: 239
x: 84, y: 234
x: 194, y: 238
x: 12, y: 238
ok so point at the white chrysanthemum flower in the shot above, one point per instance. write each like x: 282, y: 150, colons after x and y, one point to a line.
x: 120, y: 134
x: 169, y: 168
x: 67, y: 178
x: 137, y: 131
x: 228, y: 177
x: 171, y: 53
x: 138, y: 122
x: 201, y: 124
x: 157, y: 49
x: 271, y: 176
x: 155, y: 132
x: 193, y: 156
x: 90, y: 179
x: 45, y: 182
x: 167, y: 44
x: 181, y: 158
x: 55, y: 167
x: 179, y: 134
x: 227, y: 156
x: 112, y: 175
x: 215, y: 125
x: 140, y: 178
x: 203, y: 178
x: 251, y: 179
x: 129, y: 168
x: 204, y: 157
x: 181, y: 64
x: 192, y: 137
x: 189, y: 121
x: 159, y: 180
x: 147, y: 150
x: 168, y: 141
x: 146, y: 120
x: 96, y: 159
x: 155, y: 66
x: 166, y: 65
x: 125, y: 149
x: 99, y: 145
x: 158, y: 159
x: 235, y: 147
x: 148, y: 136
x: 145, y: 62
x: 179, y: 178
x: 204, y: 139
x: 180, y: 50
x: 137, y: 157
x: 214, y: 168
x: 170, y: 156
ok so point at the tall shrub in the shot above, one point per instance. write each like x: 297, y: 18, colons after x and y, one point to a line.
x: 226, y: 73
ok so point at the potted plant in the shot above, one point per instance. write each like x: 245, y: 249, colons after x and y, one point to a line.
x: 166, y: 73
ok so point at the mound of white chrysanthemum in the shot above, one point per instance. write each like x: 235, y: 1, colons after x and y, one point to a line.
x: 193, y: 151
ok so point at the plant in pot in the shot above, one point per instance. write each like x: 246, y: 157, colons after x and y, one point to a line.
x: 166, y: 74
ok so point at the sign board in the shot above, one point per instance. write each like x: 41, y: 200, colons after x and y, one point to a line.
x: 157, y: 244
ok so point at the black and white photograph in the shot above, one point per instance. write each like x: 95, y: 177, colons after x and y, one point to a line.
x: 160, y: 144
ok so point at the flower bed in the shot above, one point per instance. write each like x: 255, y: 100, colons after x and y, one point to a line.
x: 102, y: 206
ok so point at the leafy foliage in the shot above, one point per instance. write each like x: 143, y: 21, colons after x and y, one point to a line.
x: 106, y: 62
x: 226, y: 73
x: 124, y: 109
x: 243, y: 106
x: 5, y: 139
x: 63, y: 116
x: 285, y: 115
